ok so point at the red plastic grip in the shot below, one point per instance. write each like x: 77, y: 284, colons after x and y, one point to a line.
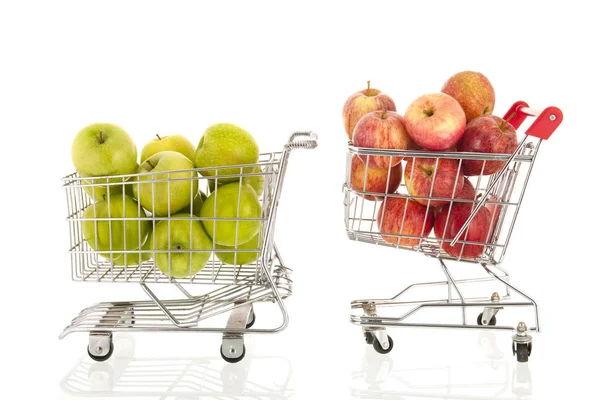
x: 545, y: 123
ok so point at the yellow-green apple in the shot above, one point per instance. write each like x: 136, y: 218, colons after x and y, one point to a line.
x: 223, y: 145
x: 447, y: 224
x: 103, y: 149
x: 97, y: 188
x: 435, y: 121
x: 176, y: 187
x: 419, y: 175
x: 487, y: 134
x: 404, y: 217
x: 473, y: 91
x: 106, y: 231
x: 381, y: 130
x: 363, y: 102
x: 254, y: 177
x: 133, y: 259
x: 177, y: 143
x: 225, y: 200
x: 173, y: 245
x: 374, y: 180
x: 196, y: 205
x: 252, y: 251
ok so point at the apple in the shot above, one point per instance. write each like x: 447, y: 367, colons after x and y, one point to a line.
x: 223, y: 145
x: 111, y: 236
x: 473, y: 91
x: 447, y: 175
x: 173, y: 242
x: 363, y: 102
x: 196, y: 205
x: 418, y: 221
x: 435, y: 121
x: 252, y: 247
x: 97, y: 188
x: 381, y: 130
x: 103, y: 149
x: 133, y: 259
x: 478, y: 230
x: 487, y: 134
x: 177, y: 189
x: 176, y: 143
x: 374, y: 180
x: 256, y: 181
x: 225, y: 200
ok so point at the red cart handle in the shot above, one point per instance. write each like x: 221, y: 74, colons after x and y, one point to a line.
x: 545, y: 123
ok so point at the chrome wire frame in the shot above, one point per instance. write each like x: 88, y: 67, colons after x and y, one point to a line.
x: 267, y: 279
x: 503, y: 191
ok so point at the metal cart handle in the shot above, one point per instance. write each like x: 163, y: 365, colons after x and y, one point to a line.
x: 544, y: 125
x: 294, y: 143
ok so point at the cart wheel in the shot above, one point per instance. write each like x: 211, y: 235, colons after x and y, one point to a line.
x: 381, y: 350
x: 369, y: 338
x: 234, y: 360
x: 491, y: 322
x: 252, y: 320
x: 104, y: 357
x: 522, y: 351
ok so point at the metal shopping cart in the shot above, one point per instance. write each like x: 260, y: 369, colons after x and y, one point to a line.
x: 499, y: 195
x: 234, y: 288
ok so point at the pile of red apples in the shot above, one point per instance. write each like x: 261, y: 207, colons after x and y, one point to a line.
x: 458, y: 119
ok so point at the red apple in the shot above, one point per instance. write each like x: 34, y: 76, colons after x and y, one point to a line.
x: 418, y: 221
x: 364, y: 102
x: 477, y: 231
x: 487, y: 134
x: 376, y: 180
x: 435, y: 121
x: 473, y: 91
x: 381, y: 130
x: 447, y: 174
x: 467, y: 193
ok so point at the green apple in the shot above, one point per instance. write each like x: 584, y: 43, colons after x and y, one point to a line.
x: 229, y: 257
x: 114, y: 235
x: 103, y: 149
x: 227, y: 196
x: 177, y: 143
x: 196, y: 205
x: 222, y: 145
x: 98, y: 192
x: 177, y: 189
x: 256, y: 181
x: 174, y: 235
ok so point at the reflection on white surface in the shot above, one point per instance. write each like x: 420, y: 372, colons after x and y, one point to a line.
x: 499, y: 376
x: 124, y: 375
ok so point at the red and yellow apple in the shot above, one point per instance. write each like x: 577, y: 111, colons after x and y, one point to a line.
x: 418, y: 221
x: 363, y: 102
x: 435, y: 121
x: 374, y: 180
x: 487, y: 134
x: 419, y: 176
x: 473, y: 91
x: 447, y: 224
x: 381, y: 130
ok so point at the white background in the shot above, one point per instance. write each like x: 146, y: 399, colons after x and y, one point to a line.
x: 274, y: 68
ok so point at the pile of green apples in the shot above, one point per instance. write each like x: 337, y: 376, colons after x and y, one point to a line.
x: 158, y: 209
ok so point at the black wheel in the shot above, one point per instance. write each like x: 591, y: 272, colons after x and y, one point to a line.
x: 381, y: 350
x: 522, y: 351
x: 252, y: 320
x: 234, y: 360
x: 104, y: 357
x: 369, y: 337
x: 491, y: 322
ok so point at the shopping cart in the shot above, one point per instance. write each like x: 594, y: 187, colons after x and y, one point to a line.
x: 234, y: 287
x: 501, y: 193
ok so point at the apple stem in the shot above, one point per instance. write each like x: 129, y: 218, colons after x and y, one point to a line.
x: 368, y: 85
x: 384, y: 113
x: 504, y: 122
x: 150, y: 164
x: 101, y: 138
x: 159, y: 138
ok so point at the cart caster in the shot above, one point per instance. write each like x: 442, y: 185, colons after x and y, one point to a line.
x: 100, y: 346
x: 522, y: 343
x: 381, y: 341
x: 251, y: 319
x: 369, y: 338
x: 233, y: 349
x: 491, y: 322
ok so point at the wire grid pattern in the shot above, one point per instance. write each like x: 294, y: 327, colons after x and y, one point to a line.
x: 362, y: 206
x: 95, y: 266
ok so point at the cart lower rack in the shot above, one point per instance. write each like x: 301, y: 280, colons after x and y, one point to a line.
x: 235, y: 282
x: 472, y: 215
